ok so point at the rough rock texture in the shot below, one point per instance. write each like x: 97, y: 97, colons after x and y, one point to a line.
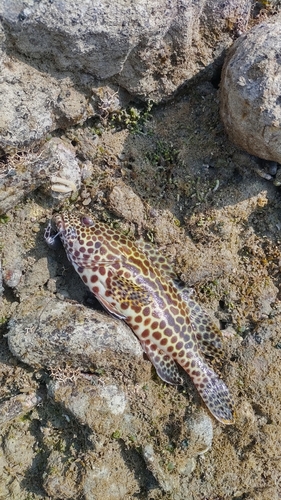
x: 53, y: 166
x: 36, y: 100
x: 68, y: 334
x: 56, y: 55
x: 107, y: 428
x: 250, y: 91
x: 122, y: 198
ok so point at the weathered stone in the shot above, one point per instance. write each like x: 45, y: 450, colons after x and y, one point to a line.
x: 12, y: 255
x: 61, y: 480
x: 34, y: 103
x: 123, y: 201
x: 18, y: 406
x: 66, y: 175
x: 250, y: 91
x: 91, y: 404
x: 55, y: 56
x: 59, y: 333
x: 200, y: 429
x: 54, y: 166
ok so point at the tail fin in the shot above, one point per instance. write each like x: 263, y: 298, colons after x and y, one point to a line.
x: 213, y: 391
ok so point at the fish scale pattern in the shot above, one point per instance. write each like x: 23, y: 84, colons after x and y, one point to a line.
x: 133, y: 283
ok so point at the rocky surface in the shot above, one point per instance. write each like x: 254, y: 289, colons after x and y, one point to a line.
x: 82, y: 403
x: 53, y: 166
x: 250, y: 91
x: 83, y: 413
x: 57, y: 57
x: 69, y: 334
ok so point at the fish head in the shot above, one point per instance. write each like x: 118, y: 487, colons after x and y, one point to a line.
x: 77, y: 233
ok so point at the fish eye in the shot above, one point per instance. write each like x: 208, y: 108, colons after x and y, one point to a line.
x: 87, y: 221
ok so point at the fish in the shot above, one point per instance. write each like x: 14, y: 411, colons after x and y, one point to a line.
x: 136, y: 284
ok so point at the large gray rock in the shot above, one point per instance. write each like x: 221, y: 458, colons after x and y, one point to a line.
x: 250, y: 91
x: 48, y: 333
x: 34, y: 102
x: 92, y: 37
x: 56, y: 55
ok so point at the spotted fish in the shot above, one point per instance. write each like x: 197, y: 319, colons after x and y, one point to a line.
x: 134, y: 284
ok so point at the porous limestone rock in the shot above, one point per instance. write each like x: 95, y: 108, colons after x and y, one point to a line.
x: 59, y: 333
x: 55, y: 55
x: 250, y: 91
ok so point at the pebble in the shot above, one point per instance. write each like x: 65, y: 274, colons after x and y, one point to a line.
x: 18, y: 405
x: 200, y: 429
x: 12, y: 276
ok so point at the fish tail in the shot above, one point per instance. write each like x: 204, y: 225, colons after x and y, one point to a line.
x: 212, y: 390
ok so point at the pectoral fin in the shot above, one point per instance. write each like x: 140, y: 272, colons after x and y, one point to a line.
x: 125, y: 290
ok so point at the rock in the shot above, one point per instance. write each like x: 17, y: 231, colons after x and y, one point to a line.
x: 1, y: 281
x: 66, y: 176
x: 200, y: 430
x: 34, y: 103
x: 125, y: 203
x: 88, y: 355
x: 153, y: 464
x: 60, y: 479
x: 56, y: 56
x: 18, y: 406
x: 17, y: 452
x: 89, y: 403
x: 250, y: 91
x: 60, y: 333
x: 44, y: 167
x: 92, y: 38
x: 12, y: 262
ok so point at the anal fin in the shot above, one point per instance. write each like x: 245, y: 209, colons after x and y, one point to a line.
x: 166, y: 368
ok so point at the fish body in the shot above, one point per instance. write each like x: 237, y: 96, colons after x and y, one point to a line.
x: 132, y: 283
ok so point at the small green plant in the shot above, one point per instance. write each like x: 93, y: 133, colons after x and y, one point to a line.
x: 96, y: 131
x: 170, y: 447
x: 170, y: 466
x: 131, y: 118
x: 4, y: 219
x: 100, y: 372
x: 116, y: 434
x: 164, y: 155
x: 210, y: 288
x: 132, y: 438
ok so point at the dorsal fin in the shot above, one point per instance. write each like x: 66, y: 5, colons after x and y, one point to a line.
x: 208, y: 335
x: 157, y: 259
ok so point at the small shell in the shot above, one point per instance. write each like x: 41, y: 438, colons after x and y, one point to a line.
x: 62, y: 185
x: 263, y: 174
